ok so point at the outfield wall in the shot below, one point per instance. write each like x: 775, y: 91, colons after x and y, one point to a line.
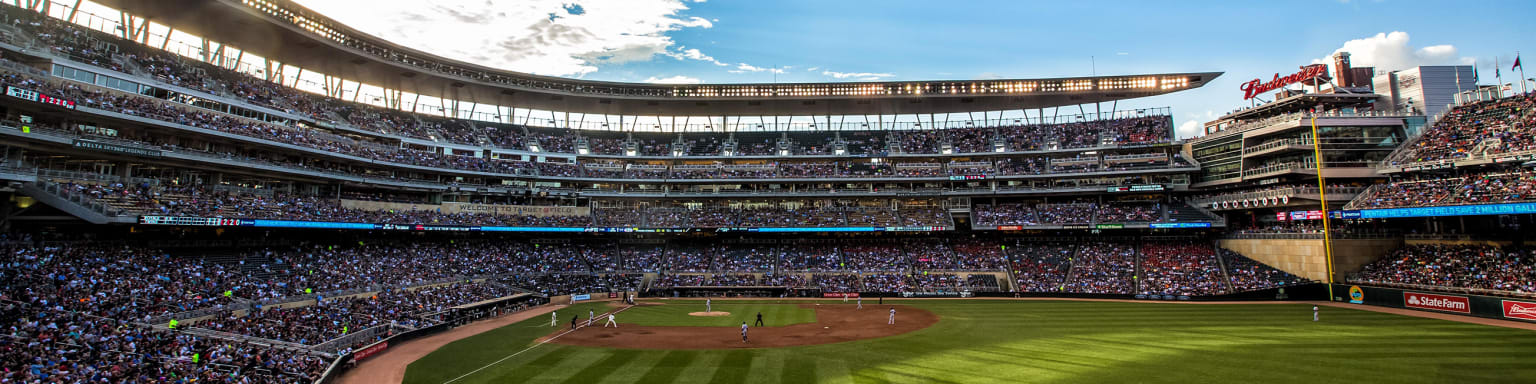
x: 1493, y: 307
x: 1305, y: 257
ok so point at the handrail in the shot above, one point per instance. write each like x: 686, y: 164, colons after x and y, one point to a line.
x: 1355, y: 279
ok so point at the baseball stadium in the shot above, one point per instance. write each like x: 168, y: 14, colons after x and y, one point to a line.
x: 253, y: 191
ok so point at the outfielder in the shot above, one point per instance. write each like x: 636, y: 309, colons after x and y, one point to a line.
x: 610, y: 321
x: 892, y: 321
x: 554, y: 318
x: 743, y: 331
x: 861, y: 302
x: 1314, y: 313
x: 707, y: 305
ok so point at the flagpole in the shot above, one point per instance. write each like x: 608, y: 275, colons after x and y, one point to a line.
x: 1522, y: 72
x: 1498, y: 76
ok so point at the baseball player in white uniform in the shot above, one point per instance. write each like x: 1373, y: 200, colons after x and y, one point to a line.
x: 589, y: 317
x: 1314, y: 313
x: 554, y: 319
x: 743, y: 331
x: 892, y: 321
x: 861, y: 302
x: 708, y: 304
x: 610, y: 321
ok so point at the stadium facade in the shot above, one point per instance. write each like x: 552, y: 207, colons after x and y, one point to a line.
x: 510, y: 188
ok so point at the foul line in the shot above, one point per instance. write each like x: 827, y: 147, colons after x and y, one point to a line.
x: 578, y: 326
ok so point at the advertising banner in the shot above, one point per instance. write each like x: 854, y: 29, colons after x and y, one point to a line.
x: 1520, y: 310
x: 1430, y: 301
x: 370, y: 351
x: 840, y: 294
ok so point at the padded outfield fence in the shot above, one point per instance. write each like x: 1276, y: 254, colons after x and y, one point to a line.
x: 1493, y: 307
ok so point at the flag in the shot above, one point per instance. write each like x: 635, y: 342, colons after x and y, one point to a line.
x: 1517, y: 63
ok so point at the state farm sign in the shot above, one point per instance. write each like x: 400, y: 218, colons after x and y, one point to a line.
x: 1437, y: 302
x: 1520, y: 310
x: 1257, y: 87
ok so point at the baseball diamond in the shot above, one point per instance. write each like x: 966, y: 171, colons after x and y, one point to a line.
x: 985, y: 341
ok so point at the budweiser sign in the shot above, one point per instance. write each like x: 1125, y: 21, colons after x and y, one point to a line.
x: 1437, y: 302
x: 1520, y: 310
x: 370, y: 351
x: 1256, y: 87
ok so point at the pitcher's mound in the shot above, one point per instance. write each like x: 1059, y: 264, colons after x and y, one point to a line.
x: 709, y: 314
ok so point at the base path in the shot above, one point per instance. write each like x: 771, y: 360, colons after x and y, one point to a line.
x: 834, y: 324
x: 389, y: 367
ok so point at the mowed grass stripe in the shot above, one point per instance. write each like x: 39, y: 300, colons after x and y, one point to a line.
x: 560, y: 365
x: 608, y: 365
x: 670, y: 367
x: 733, y: 369
x: 1067, y: 342
x: 797, y: 369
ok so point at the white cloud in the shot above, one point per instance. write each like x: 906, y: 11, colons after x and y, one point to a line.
x: 548, y: 37
x: 684, y: 53
x: 1392, y: 51
x: 1189, y: 129
x: 1194, y: 125
x: 865, y: 76
x: 744, y: 68
x: 679, y: 79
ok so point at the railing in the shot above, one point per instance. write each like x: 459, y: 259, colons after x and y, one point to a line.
x: 1363, y: 196
x: 1275, y: 144
x: 1469, y: 158
x: 1279, y: 192
x: 54, y: 174
x: 360, y: 337
x: 1336, y: 235
x: 78, y: 199
x: 1355, y: 279
x: 1265, y: 122
x: 1273, y: 168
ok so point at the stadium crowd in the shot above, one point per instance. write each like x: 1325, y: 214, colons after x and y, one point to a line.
x: 1480, y: 268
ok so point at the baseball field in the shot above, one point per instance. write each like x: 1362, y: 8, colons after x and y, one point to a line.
x: 981, y: 341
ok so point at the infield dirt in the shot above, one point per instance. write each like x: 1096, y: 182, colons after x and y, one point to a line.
x: 834, y: 324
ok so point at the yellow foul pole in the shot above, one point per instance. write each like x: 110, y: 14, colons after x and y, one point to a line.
x: 1322, y: 194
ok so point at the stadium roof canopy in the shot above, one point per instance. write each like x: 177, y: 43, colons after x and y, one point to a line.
x: 284, y: 31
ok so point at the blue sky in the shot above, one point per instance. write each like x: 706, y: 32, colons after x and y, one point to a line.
x: 722, y: 41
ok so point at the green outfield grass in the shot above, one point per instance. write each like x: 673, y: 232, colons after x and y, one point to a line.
x: 1036, y: 342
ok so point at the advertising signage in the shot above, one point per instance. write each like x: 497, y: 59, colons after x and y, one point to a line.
x: 34, y: 96
x: 1139, y: 188
x: 260, y: 223
x: 1434, y: 302
x: 1455, y: 210
x: 1308, y: 73
x: 1520, y: 310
